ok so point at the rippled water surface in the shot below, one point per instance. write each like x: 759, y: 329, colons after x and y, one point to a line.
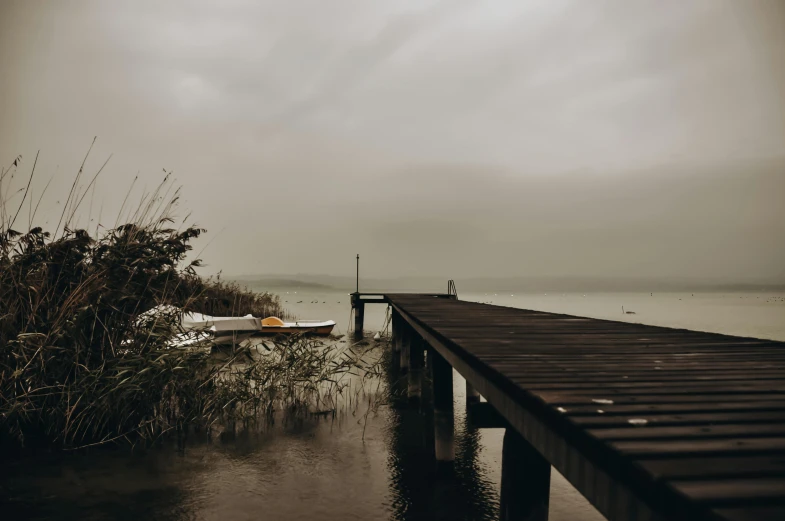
x: 322, y: 468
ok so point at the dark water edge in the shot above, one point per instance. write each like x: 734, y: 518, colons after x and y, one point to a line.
x: 302, y: 468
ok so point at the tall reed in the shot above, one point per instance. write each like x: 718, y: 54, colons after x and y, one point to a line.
x: 77, y: 365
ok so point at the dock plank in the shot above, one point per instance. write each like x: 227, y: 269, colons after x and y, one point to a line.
x: 734, y: 491
x: 717, y: 467
x: 671, y: 447
x: 751, y: 513
x: 690, y: 431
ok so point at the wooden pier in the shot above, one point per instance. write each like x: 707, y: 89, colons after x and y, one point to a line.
x: 648, y: 423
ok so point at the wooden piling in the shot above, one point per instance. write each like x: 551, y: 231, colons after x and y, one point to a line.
x: 443, y: 417
x: 472, y: 395
x: 396, y: 332
x: 406, y: 336
x: 483, y: 415
x: 416, y: 363
x: 359, y: 318
x: 526, y: 480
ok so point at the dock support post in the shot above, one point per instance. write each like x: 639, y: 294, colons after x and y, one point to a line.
x: 472, y: 396
x: 359, y: 318
x: 396, y: 332
x: 443, y: 417
x: 526, y: 480
x: 416, y: 363
x: 406, y: 338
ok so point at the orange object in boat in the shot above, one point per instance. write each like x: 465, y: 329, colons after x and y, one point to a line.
x: 275, y: 326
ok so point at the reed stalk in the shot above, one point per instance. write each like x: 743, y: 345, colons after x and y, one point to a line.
x: 79, y: 368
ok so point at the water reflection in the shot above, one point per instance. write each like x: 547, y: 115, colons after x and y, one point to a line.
x: 301, y: 468
x: 478, y: 490
x: 97, y: 486
x: 421, y: 487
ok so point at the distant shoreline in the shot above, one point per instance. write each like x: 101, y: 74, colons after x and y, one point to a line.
x: 481, y: 285
x: 280, y: 283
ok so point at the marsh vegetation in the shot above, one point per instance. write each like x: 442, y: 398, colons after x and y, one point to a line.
x: 77, y: 366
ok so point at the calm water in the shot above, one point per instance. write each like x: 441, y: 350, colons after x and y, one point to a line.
x: 322, y: 468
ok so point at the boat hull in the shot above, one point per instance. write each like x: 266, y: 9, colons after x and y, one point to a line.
x: 291, y: 330
x: 229, y: 338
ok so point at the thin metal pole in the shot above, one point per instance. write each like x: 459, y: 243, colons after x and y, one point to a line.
x: 358, y: 274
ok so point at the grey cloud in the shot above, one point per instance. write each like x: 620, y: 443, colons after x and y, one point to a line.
x: 542, y: 137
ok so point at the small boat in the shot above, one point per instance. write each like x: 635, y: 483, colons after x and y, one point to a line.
x: 222, y: 330
x: 276, y: 326
x: 202, y: 331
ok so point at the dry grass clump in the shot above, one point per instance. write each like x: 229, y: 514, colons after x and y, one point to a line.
x: 216, y: 297
x: 78, y: 369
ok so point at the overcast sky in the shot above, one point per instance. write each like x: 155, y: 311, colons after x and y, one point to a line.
x: 455, y: 138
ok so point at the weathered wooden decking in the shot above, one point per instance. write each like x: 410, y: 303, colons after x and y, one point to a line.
x: 646, y: 422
